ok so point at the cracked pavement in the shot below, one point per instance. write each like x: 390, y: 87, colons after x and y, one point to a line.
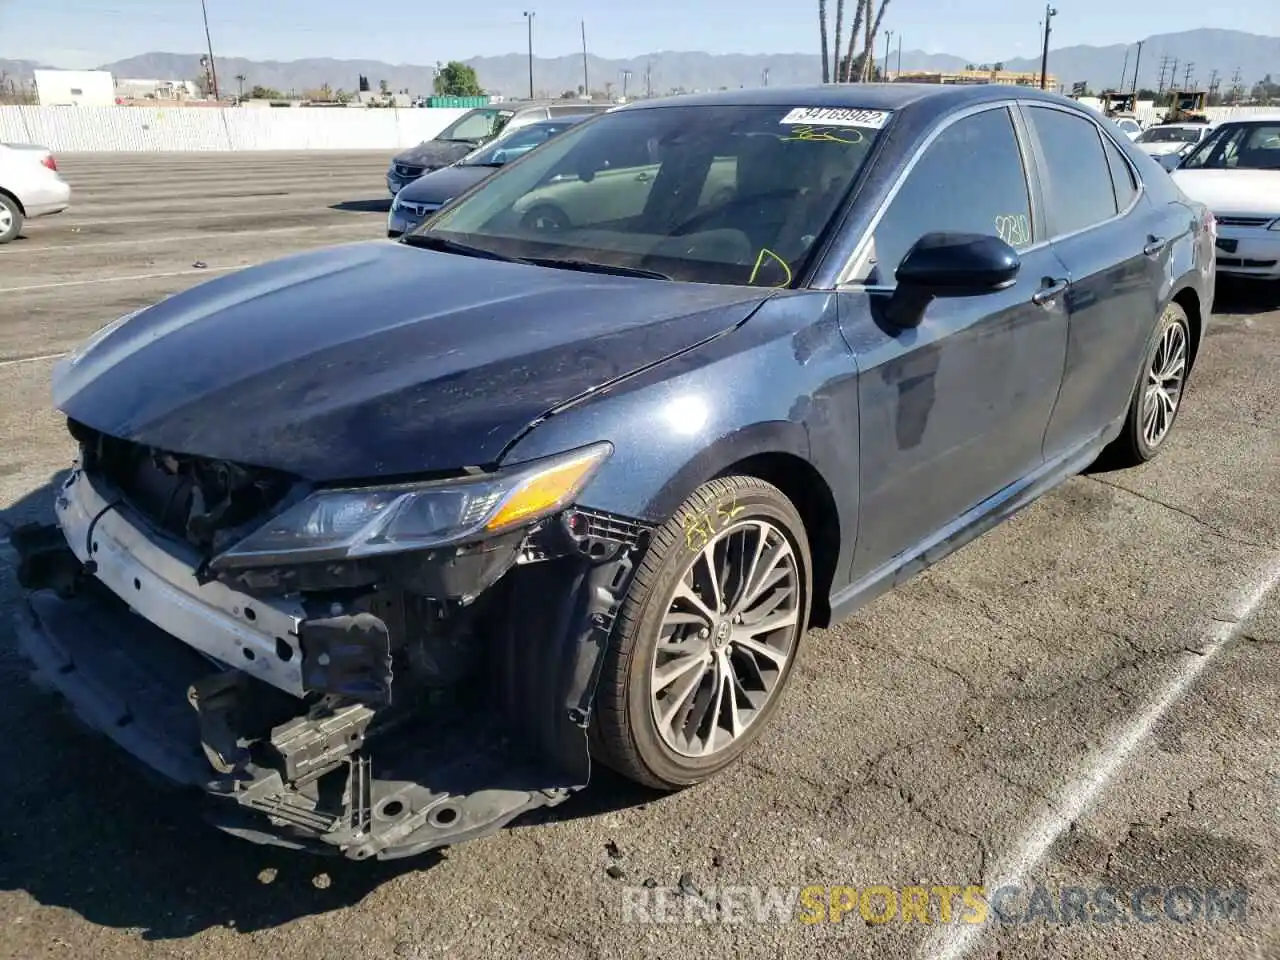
x: 918, y: 743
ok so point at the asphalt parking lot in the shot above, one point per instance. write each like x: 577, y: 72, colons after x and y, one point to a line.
x: 1086, y: 697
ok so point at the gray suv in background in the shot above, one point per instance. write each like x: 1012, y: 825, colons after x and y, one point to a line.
x: 474, y: 129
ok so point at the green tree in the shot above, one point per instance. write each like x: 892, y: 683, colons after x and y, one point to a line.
x: 456, y: 79
x: 260, y: 92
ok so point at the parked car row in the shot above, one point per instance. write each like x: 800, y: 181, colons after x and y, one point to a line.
x: 472, y: 130
x: 566, y: 474
x: 30, y: 187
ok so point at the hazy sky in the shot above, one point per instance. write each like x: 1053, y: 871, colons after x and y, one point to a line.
x: 84, y: 33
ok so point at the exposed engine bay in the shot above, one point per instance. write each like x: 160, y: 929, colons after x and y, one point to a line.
x: 373, y: 707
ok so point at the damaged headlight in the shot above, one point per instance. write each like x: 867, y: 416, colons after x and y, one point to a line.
x: 365, y: 521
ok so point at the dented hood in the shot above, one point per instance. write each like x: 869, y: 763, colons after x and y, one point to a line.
x: 377, y: 359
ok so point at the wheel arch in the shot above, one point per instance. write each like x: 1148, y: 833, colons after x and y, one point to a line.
x: 15, y: 198
x: 802, y: 484
x: 1189, y: 300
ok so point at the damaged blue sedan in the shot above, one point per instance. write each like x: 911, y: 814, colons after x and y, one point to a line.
x: 378, y: 546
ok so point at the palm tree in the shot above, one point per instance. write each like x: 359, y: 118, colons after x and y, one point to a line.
x: 835, y: 50
x: 822, y: 32
x: 847, y: 64
x: 868, y: 67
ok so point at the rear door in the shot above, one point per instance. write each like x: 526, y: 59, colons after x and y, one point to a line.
x: 1114, y: 245
x: 954, y: 410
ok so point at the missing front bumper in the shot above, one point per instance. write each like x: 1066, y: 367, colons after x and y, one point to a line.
x: 332, y: 776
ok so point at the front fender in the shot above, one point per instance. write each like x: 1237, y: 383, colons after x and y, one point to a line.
x: 782, y: 383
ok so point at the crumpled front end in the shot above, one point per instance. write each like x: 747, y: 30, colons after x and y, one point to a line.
x: 376, y: 707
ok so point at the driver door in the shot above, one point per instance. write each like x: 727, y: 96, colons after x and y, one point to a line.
x: 955, y: 410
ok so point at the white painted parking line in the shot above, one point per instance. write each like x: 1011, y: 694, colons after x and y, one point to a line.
x: 44, y: 356
x: 953, y: 942
x: 122, y: 279
x: 184, y: 238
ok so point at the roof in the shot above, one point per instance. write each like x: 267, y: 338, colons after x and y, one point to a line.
x: 870, y: 96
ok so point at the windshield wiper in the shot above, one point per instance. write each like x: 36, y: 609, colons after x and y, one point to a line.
x: 431, y: 241
x: 587, y: 266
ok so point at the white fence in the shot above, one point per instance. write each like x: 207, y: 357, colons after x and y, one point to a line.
x: 160, y: 129
x: 1149, y: 115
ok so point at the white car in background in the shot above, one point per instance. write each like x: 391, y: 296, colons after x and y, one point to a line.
x: 1235, y: 172
x: 30, y: 186
x: 1129, y: 126
x: 1168, y: 143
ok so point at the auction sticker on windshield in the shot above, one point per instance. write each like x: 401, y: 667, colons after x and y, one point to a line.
x: 838, y: 117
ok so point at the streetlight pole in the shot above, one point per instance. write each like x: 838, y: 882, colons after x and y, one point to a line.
x: 528, y: 16
x: 1049, y: 14
x: 213, y: 70
x: 586, y: 77
x: 898, y: 72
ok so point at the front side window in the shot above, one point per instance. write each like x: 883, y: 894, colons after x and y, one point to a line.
x: 970, y: 179
x: 724, y: 194
x: 1238, y: 146
x: 1080, y: 193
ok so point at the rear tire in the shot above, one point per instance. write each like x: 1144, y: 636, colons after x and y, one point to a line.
x: 688, y: 683
x: 1157, y: 396
x: 10, y: 218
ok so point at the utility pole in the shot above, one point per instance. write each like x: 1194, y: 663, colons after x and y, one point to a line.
x: 764, y: 76
x: 888, y: 35
x: 1235, y: 86
x: 1186, y: 78
x: 1124, y: 70
x: 1049, y: 14
x: 1213, y: 83
x: 528, y: 16
x: 213, y: 70
x: 1137, y: 62
x: 648, y: 80
x: 898, y: 72
x: 586, y: 79
x: 1164, y: 68
x: 626, y: 78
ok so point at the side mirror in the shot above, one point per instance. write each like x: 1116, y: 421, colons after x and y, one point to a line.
x: 950, y: 265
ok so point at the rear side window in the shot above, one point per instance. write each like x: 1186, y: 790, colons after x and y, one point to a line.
x: 1080, y: 193
x: 969, y: 180
x: 1121, y: 176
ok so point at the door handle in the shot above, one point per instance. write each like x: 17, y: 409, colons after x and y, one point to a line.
x: 1046, y: 294
x: 643, y: 178
x: 1154, y: 245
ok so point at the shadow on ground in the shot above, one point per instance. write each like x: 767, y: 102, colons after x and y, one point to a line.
x: 362, y: 206
x: 81, y: 827
x: 1243, y: 297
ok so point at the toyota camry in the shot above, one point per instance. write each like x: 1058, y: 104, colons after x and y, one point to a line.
x: 376, y: 547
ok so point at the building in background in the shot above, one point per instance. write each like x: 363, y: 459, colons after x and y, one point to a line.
x: 976, y: 76
x: 75, y: 88
x: 146, y: 89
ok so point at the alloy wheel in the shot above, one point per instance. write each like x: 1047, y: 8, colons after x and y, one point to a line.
x: 6, y: 219
x: 1165, y: 378
x: 729, y: 632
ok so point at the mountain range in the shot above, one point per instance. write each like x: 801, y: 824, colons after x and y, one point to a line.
x: 1201, y: 51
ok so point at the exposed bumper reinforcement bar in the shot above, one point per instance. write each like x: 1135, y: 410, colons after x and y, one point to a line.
x: 329, y: 781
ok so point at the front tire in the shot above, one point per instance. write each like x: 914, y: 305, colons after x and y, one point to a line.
x: 10, y: 219
x: 1157, y: 396
x: 707, y: 636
